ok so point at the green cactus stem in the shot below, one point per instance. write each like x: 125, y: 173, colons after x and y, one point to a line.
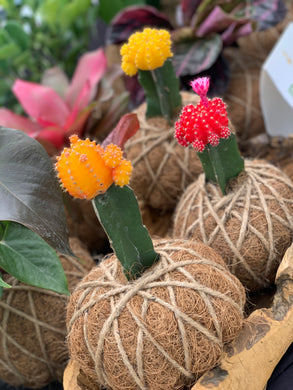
x: 161, y: 88
x: 223, y: 162
x: 118, y: 212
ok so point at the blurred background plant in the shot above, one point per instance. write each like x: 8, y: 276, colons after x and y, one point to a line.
x: 38, y: 37
x: 39, y: 34
x: 42, y: 41
x: 200, y: 30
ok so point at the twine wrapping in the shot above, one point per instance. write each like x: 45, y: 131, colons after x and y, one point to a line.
x: 33, y: 351
x: 160, y: 331
x: 162, y: 168
x: 251, y: 227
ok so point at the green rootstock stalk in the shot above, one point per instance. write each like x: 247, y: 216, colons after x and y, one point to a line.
x: 223, y: 162
x: 118, y: 212
x: 161, y: 88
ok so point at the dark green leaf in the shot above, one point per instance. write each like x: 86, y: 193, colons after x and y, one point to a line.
x: 153, y: 3
x: 9, y: 50
x: 223, y: 162
x: 17, y: 34
x: 72, y: 10
x: 24, y: 255
x: 22, y: 58
x: 4, y: 37
x: 29, y: 190
x: 161, y: 88
x: 49, y: 10
x: 195, y: 56
x: 119, y: 214
x: 107, y: 12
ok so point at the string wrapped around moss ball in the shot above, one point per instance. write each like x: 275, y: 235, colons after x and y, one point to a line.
x: 162, y: 330
x: 251, y: 226
x: 33, y: 349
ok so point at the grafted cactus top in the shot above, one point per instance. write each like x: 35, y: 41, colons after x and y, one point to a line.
x: 204, y: 123
x: 87, y: 170
x: 146, y: 50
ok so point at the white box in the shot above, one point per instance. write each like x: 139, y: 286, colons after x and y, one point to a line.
x: 276, y: 87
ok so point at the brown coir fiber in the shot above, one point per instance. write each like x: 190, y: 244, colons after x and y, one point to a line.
x: 242, y: 95
x: 161, y: 331
x: 83, y: 223
x: 251, y: 226
x: 33, y: 350
x: 162, y: 169
x: 159, y: 224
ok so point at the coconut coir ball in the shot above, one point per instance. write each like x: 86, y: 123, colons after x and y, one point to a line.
x: 251, y: 226
x: 33, y: 350
x: 161, y: 331
x: 162, y: 169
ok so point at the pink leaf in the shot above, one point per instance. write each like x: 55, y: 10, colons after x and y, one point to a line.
x: 78, y: 126
x: 79, y: 105
x: 125, y: 129
x: 41, y: 102
x: 56, y: 79
x: 11, y: 120
x: 90, y: 68
x: 53, y: 135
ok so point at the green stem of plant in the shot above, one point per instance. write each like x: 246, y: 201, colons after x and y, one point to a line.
x: 118, y: 212
x: 162, y: 93
x: 166, y: 106
x: 223, y: 162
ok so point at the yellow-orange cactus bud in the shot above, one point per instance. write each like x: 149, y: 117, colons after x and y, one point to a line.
x: 86, y: 170
x: 121, y: 173
x: 146, y: 50
x: 112, y: 156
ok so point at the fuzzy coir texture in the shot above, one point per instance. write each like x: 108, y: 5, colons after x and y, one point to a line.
x: 161, y: 331
x: 33, y: 349
x: 162, y: 168
x: 251, y: 227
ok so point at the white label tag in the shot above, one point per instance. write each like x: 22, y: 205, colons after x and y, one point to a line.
x: 276, y: 86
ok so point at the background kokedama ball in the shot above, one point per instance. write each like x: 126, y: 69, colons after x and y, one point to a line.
x: 161, y: 331
x: 33, y: 349
x: 162, y: 169
x: 159, y: 224
x: 242, y: 95
x: 251, y: 226
x: 83, y: 223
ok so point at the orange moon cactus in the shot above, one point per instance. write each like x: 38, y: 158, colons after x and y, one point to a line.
x: 87, y: 170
